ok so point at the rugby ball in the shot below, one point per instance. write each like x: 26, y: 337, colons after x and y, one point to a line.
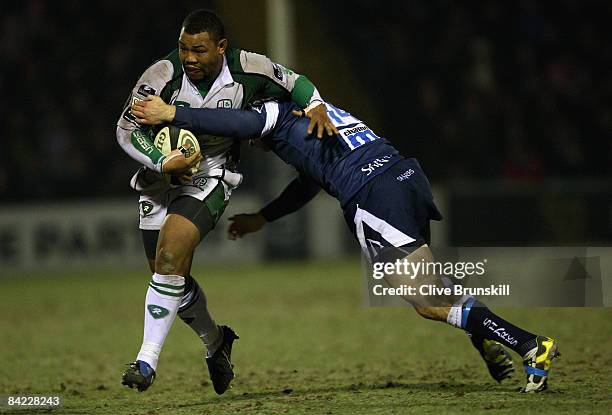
x: 170, y: 138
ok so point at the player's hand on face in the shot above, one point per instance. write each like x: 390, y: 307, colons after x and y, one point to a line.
x: 319, y: 119
x: 180, y: 162
x: 152, y: 111
x: 244, y: 223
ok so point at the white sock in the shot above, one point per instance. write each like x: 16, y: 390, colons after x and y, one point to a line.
x: 194, y: 312
x: 455, y: 315
x: 161, y: 305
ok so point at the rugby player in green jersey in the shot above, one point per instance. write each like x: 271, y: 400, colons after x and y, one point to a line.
x: 203, y: 72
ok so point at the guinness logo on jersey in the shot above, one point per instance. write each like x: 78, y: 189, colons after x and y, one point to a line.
x: 224, y: 103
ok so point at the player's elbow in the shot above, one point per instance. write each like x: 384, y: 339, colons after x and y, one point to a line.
x: 124, y: 139
x: 122, y: 136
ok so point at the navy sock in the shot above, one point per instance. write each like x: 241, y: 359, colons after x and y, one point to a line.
x: 481, y: 322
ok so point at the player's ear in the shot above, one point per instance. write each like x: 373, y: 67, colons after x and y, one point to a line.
x: 221, y: 46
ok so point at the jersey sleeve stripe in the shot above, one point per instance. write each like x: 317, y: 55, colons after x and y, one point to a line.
x: 271, y: 117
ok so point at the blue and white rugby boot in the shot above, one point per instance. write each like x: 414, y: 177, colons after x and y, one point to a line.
x: 139, y: 375
x: 537, y: 363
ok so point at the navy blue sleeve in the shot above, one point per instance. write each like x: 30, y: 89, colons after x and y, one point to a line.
x: 299, y: 192
x: 242, y: 124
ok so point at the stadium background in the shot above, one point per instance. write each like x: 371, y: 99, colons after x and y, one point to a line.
x: 508, y: 106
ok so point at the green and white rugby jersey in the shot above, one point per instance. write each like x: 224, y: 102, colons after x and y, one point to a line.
x: 245, y: 77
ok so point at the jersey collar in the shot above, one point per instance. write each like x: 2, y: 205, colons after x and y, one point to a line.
x: 223, y: 79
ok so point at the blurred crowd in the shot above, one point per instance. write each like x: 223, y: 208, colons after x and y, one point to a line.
x: 518, y: 90
x: 68, y: 69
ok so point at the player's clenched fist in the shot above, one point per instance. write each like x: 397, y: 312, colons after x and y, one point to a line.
x: 244, y: 223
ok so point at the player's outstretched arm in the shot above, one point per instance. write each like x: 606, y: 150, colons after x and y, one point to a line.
x: 297, y: 194
x: 242, y: 124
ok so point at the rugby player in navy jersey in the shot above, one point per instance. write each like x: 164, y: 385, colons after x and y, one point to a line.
x: 385, y: 198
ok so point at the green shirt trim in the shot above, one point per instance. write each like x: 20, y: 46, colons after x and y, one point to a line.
x: 302, y: 91
x: 142, y: 143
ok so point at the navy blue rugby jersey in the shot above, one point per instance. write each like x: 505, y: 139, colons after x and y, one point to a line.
x: 341, y: 164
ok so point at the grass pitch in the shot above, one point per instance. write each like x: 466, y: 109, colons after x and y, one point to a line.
x: 307, y: 346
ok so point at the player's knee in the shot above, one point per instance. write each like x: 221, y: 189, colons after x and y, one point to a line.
x: 167, y: 261
x: 425, y: 312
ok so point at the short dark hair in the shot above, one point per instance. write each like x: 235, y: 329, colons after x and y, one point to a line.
x: 203, y: 20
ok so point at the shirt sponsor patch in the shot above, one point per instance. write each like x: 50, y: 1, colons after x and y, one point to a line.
x: 146, y: 90
x: 224, y: 103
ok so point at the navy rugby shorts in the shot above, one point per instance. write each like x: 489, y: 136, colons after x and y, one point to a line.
x: 392, y: 210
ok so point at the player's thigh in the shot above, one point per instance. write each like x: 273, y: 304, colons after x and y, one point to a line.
x: 149, y: 241
x: 392, y: 210
x: 191, y: 215
x: 203, y: 205
x: 390, y: 219
x: 188, y: 220
x: 426, y: 305
x: 383, y: 222
x: 154, y: 206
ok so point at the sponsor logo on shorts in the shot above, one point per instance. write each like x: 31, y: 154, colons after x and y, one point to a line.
x: 145, y: 208
x: 375, y: 164
x: 224, y: 103
x: 200, y: 182
x: 405, y: 175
